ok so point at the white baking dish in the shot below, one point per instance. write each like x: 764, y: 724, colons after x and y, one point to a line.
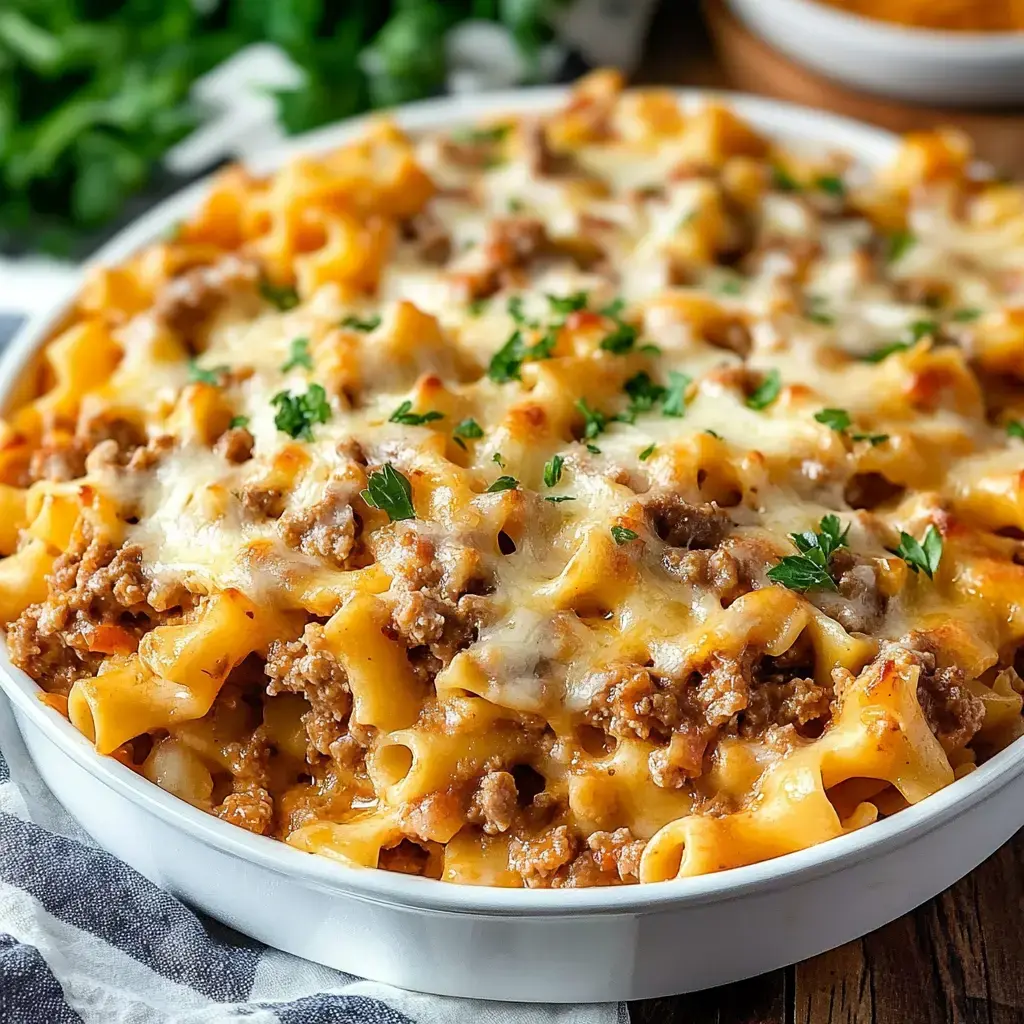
x: 563, y: 945
x: 920, y: 65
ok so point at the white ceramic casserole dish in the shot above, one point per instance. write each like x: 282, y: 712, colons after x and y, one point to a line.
x: 920, y: 65
x: 519, y: 944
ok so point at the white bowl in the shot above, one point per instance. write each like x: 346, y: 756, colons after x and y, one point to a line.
x: 921, y: 65
x: 566, y: 945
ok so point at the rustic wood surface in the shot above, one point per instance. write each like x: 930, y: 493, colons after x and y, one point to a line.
x: 958, y: 958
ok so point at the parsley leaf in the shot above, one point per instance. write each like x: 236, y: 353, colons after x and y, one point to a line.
x: 507, y: 363
x: 966, y: 315
x: 924, y: 556
x: 714, y: 434
x: 414, y: 419
x: 647, y: 452
x: 557, y: 499
x: 923, y: 328
x: 783, y: 181
x: 284, y: 296
x: 296, y: 414
x: 810, y: 568
x: 643, y: 394
x: 467, y: 428
x: 1015, y: 429
x: 355, y: 323
x: 873, y: 439
x: 838, y: 419
x: 563, y: 305
x: 831, y: 184
x: 885, y: 351
x: 477, y: 306
x: 900, y: 243
x: 515, y: 309
x: 675, y: 396
x: 614, y: 308
x: 623, y: 535
x: 621, y: 340
x: 503, y: 483
x: 553, y: 470
x: 238, y: 421
x: 730, y: 287
x: 817, y: 317
x: 482, y: 136
x: 766, y: 392
x: 594, y: 421
x: 498, y: 460
x: 391, y: 492
x: 298, y: 355
x: 593, y: 449
x: 199, y: 375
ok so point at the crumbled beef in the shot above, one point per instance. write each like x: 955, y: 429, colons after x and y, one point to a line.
x: 249, y: 805
x: 953, y: 712
x: 494, y: 803
x: 617, y: 851
x: 59, y: 459
x: 538, y: 860
x: 631, y: 702
x: 188, y: 303
x: 858, y: 605
x: 326, y: 529
x: 717, y: 570
x: 236, y: 444
x: 681, y: 524
x: 260, y: 500
x: 98, y: 602
x: 427, y: 232
x: 407, y: 858
x: 308, y: 667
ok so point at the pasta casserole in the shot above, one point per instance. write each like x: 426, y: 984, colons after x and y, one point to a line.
x: 608, y: 496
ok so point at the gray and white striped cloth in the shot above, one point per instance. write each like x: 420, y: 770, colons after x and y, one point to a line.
x: 85, y: 939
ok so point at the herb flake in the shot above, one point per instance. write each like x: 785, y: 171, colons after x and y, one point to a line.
x: 389, y: 491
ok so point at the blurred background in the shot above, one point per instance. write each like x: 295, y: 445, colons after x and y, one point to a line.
x: 106, y: 106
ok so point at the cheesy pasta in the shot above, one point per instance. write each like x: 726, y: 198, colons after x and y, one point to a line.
x: 608, y: 496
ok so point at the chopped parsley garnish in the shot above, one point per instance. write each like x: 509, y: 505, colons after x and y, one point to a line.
x: 413, y: 419
x: 817, y: 317
x: 621, y: 340
x: 783, y: 180
x: 515, y: 205
x: 650, y: 349
x: 810, y: 568
x: 553, y: 470
x: 623, y: 535
x: 296, y: 414
x: 872, y: 439
x: 298, y: 355
x: 389, y: 491
x: 238, y: 421
x: 614, y: 308
x: 467, y: 428
x: 766, y: 392
x: 730, y: 287
x: 503, y: 483
x: 563, y: 305
x: 355, y: 323
x: 477, y: 306
x: 831, y: 184
x: 482, y: 136
x: 838, y: 419
x: 515, y: 309
x: 199, y: 375
x: 885, y: 351
x: 966, y: 315
x: 594, y: 421
x: 284, y: 296
x: 1015, y: 429
x: 593, y: 449
x: 674, y: 403
x: 507, y: 363
x: 498, y: 460
x: 643, y: 394
x: 557, y: 499
x: 714, y: 434
x: 647, y: 452
x: 922, y: 556
x: 900, y: 243
x: 922, y: 328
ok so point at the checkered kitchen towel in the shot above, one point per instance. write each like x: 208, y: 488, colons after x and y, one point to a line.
x: 84, y: 939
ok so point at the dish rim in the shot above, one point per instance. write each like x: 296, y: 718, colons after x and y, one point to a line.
x: 783, y: 120
x: 931, y: 43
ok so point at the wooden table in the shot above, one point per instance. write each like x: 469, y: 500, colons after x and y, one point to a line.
x: 960, y: 957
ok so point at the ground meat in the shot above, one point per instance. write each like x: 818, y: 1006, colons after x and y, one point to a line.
x: 494, y: 803
x: 632, y: 702
x: 59, y: 459
x: 428, y: 233
x: 717, y: 570
x: 236, y: 444
x: 97, y: 603
x: 682, y: 759
x: 260, y: 500
x: 797, y: 702
x: 188, y: 303
x: 681, y: 524
x: 407, y: 858
x: 618, y: 851
x: 249, y: 805
x: 326, y: 529
x: 538, y: 860
x: 859, y: 605
x: 954, y: 714
x: 514, y: 241
x: 307, y: 667
x: 542, y: 160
